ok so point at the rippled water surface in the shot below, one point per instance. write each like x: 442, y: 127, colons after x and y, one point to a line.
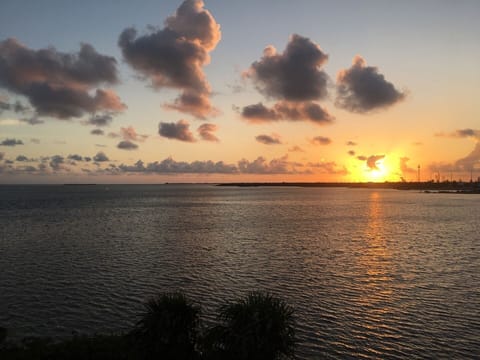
x: 371, y: 273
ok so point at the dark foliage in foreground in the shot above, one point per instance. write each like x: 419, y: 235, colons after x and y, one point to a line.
x: 257, y: 327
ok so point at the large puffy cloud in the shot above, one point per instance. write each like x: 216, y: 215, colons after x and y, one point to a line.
x: 179, y: 131
x: 275, y: 166
x: 175, y: 55
x: 362, y: 88
x: 100, y: 157
x: 287, y: 111
x: 295, y: 79
x: 57, y: 84
x: 206, y: 132
x: 268, y: 139
x: 293, y: 75
x: 170, y: 166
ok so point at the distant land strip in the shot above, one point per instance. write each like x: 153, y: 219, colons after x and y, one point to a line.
x: 456, y: 187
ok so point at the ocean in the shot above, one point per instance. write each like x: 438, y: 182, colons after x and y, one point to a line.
x: 371, y: 273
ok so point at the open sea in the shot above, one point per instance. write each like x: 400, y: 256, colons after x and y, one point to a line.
x: 371, y: 273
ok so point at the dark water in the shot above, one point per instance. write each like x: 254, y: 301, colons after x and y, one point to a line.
x: 371, y: 274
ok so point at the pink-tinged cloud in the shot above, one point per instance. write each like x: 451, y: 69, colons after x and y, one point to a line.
x: 405, y: 168
x: 287, y: 111
x: 178, y: 131
x: 206, y: 132
x: 294, y: 75
x: 174, y: 56
x: 57, y: 84
x: 130, y: 134
x: 362, y: 88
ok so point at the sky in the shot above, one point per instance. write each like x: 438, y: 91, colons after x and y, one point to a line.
x: 222, y: 91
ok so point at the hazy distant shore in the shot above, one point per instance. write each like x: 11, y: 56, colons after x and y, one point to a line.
x: 456, y: 187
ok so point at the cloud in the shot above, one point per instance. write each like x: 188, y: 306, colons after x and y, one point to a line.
x: 23, y: 158
x: 471, y: 161
x: 56, y: 162
x: 275, y: 166
x: 293, y: 75
x: 296, y: 148
x: 2, y: 155
x: 328, y: 167
x: 362, y: 88
x: 179, y: 131
x: 362, y: 158
x: 351, y: 152
x: 35, y: 141
x: 11, y: 142
x: 16, y: 107
x: 351, y: 143
x: 405, y: 168
x: 462, y: 133
x: 170, y: 166
x: 75, y: 157
x: 97, y: 132
x: 268, y: 139
x: 205, y: 131
x: 174, y: 56
x: 100, y: 157
x: 57, y: 84
x: 372, y: 161
x: 127, y: 145
x: 321, y: 140
x: 130, y: 134
x: 33, y: 120
x: 287, y: 111
x: 100, y: 120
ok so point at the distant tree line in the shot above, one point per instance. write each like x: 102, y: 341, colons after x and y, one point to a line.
x: 259, y: 326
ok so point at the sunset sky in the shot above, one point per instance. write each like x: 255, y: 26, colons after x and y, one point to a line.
x: 172, y: 91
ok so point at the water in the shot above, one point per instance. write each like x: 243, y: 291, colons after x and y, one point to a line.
x: 371, y: 273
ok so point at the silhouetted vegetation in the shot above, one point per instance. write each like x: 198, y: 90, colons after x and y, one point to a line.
x: 259, y: 326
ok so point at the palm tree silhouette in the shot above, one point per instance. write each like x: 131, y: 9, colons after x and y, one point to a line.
x: 259, y: 326
x: 168, y: 328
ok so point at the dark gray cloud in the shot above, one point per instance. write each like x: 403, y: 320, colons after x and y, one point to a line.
x: 97, y: 132
x: 127, y: 145
x: 57, y: 84
x: 362, y: 88
x: 32, y: 120
x: 268, y: 139
x: 321, y: 140
x: 23, y: 158
x: 100, y: 157
x: 295, y: 74
x: 175, y: 55
x: 75, y: 157
x: 206, y: 132
x: 56, y: 162
x: 100, y: 120
x: 16, y: 106
x: 372, y: 161
x: 287, y: 111
x: 179, y: 131
x: 11, y: 142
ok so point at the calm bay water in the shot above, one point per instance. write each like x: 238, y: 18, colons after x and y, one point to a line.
x: 371, y: 273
